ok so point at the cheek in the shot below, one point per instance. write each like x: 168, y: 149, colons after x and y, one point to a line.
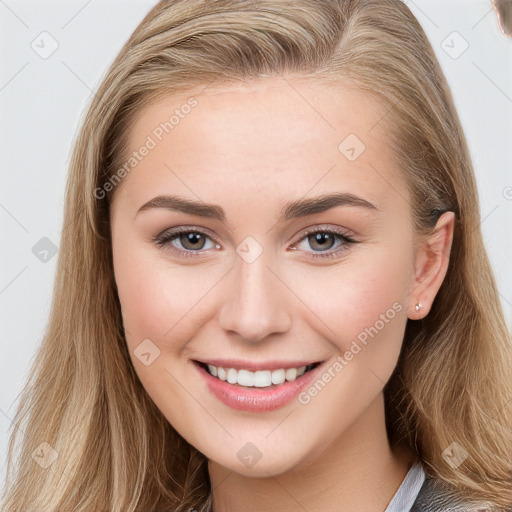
x: 160, y: 300
x: 361, y: 300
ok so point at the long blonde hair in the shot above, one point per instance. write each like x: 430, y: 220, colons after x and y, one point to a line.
x: 114, y: 449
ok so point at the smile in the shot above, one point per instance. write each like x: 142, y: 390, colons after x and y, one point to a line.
x: 258, y: 389
x: 260, y: 378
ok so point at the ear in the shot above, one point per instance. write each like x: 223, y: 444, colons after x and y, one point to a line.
x: 430, y: 266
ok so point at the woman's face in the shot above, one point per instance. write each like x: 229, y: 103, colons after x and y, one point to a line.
x: 245, y: 286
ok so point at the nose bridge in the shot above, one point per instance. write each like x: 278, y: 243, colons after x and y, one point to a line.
x: 255, y: 305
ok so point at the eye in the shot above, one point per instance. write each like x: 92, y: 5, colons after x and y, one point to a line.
x: 191, y: 241
x: 323, y: 240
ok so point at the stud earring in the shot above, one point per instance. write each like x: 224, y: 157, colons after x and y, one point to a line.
x: 418, y: 306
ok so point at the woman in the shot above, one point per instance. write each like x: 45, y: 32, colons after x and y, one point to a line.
x: 272, y: 290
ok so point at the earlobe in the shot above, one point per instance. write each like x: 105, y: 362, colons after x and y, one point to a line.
x: 430, y: 267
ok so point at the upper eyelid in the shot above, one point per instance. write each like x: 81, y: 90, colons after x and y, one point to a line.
x: 185, y: 229
x: 326, y: 228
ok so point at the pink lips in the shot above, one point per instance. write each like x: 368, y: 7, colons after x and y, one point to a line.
x: 256, y: 399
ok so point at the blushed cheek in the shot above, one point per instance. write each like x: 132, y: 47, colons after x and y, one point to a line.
x: 142, y: 295
x: 360, y: 303
x: 162, y: 302
x: 378, y: 309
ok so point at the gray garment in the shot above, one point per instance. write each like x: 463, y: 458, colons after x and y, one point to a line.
x: 420, y: 492
x: 435, y: 496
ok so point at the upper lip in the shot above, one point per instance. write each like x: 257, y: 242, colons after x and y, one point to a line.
x: 240, y: 364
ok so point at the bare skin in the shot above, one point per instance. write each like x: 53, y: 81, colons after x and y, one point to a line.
x: 251, y: 148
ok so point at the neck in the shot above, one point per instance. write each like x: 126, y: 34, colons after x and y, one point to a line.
x: 358, y: 471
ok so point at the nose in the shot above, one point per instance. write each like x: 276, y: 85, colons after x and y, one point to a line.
x: 256, y: 305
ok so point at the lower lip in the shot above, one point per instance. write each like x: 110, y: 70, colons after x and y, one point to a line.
x: 256, y: 399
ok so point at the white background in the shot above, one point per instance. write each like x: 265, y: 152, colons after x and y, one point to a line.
x: 42, y: 101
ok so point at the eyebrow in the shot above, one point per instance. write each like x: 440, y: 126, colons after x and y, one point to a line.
x: 292, y: 210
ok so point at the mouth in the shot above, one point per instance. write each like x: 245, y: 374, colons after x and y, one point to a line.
x: 261, y: 378
x: 264, y: 388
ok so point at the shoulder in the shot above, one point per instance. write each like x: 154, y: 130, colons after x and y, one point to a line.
x: 437, y: 496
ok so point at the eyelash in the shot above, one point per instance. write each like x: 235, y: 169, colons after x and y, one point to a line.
x: 165, y: 239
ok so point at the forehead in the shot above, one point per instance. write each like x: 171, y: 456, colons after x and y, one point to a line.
x: 268, y: 138
x: 309, y: 109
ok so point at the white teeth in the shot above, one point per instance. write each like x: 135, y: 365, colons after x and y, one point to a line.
x: 258, y: 379
x: 291, y: 374
x: 232, y: 376
x: 262, y: 378
x: 278, y: 376
x: 245, y: 378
